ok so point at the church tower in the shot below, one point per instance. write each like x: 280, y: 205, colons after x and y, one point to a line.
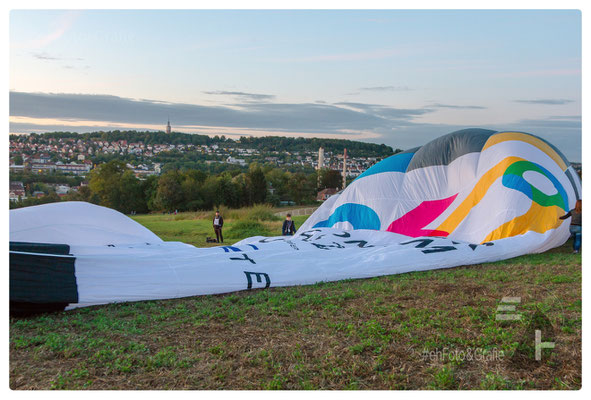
x: 168, y: 126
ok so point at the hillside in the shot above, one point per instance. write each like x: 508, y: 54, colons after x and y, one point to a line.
x: 264, y: 143
x: 151, y: 152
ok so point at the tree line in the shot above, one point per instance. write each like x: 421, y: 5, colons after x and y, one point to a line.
x: 114, y: 185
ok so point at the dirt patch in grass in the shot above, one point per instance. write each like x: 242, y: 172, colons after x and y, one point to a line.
x: 409, y: 331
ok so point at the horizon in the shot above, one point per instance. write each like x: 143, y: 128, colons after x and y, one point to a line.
x: 397, y: 77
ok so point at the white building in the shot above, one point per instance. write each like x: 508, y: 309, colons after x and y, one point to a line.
x: 239, y: 161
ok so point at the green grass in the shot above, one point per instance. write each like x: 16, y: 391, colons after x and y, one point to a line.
x: 244, y: 229
x: 406, y: 331
x: 195, y: 227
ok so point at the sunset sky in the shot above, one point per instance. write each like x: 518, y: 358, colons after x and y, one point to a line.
x: 396, y: 77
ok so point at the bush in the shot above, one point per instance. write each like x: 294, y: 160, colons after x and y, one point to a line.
x: 248, y: 228
x: 185, y: 216
x: 204, y: 214
x: 259, y: 212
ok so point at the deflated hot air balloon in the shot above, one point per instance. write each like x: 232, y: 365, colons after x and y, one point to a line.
x: 468, y: 197
x: 474, y: 185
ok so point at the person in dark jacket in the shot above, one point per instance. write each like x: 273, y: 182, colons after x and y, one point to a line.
x: 218, y: 223
x: 575, y: 224
x: 289, y: 228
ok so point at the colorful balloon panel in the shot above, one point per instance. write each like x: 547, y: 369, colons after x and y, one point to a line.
x: 439, y: 189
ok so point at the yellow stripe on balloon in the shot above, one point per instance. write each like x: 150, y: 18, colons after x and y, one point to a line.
x: 534, y: 141
x: 538, y: 219
x: 480, y: 189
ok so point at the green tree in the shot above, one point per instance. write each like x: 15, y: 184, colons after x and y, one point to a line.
x: 330, y: 178
x: 278, y: 183
x: 302, y: 188
x: 18, y: 160
x: 256, y: 184
x: 241, y: 188
x: 116, y: 187
x: 209, y: 189
x: 192, y: 181
x: 278, y: 180
x: 83, y: 194
x: 149, y: 190
x: 169, y: 194
x: 229, y: 194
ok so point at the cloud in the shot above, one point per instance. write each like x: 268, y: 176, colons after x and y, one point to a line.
x: 70, y: 61
x: 397, y: 127
x: 563, y: 131
x: 301, y: 117
x: 438, y: 105
x: 546, y: 101
x: 387, y: 112
x: 44, y: 56
x: 48, y: 57
x: 385, y: 89
x: 243, y: 95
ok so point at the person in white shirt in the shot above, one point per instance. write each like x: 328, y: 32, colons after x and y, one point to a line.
x: 218, y: 223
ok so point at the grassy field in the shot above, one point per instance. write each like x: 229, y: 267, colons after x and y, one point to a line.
x: 422, y: 330
x: 195, y: 227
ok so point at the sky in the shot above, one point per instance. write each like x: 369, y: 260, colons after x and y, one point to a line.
x: 399, y: 77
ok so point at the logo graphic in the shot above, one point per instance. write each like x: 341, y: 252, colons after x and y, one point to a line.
x: 506, y: 310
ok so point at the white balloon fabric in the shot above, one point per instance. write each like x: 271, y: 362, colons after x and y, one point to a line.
x: 77, y: 224
x: 469, y: 197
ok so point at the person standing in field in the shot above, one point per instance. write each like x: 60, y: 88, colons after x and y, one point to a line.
x: 218, y: 223
x: 289, y: 228
x: 575, y: 225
